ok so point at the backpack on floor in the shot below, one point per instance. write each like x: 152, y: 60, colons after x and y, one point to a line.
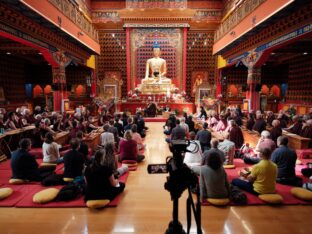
x: 237, y: 196
x: 69, y: 192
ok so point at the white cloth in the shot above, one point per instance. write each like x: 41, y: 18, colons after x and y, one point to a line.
x: 193, y: 159
x: 50, y: 152
x: 107, y: 137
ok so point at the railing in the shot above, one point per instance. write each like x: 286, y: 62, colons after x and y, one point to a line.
x: 236, y: 16
x: 72, y: 11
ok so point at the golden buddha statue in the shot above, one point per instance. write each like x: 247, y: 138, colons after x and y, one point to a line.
x: 156, y: 68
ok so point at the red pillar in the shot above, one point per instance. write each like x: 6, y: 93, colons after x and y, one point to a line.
x: 59, y: 79
x: 128, y: 59
x: 184, y: 59
x: 254, y: 78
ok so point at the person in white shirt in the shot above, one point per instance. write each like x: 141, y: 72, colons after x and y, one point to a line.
x: 50, y: 150
x: 106, y: 136
x: 194, y: 157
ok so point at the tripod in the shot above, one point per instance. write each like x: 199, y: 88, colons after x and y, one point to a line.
x: 180, y: 178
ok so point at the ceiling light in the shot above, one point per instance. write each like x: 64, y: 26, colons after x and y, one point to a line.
x: 40, y: 53
x: 8, y: 53
x: 305, y: 53
x: 272, y: 53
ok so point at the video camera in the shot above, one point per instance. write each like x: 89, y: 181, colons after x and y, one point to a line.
x: 180, y: 178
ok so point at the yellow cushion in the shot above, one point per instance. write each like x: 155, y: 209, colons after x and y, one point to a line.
x: 95, y: 204
x: 219, y: 201
x: 298, y: 162
x: 271, y: 198
x: 66, y: 179
x: 134, y: 164
x: 45, y: 195
x: 17, y: 181
x: 302, y: 194
x: 48, y: 165
x: 5, y: 192
x: 229, y: 166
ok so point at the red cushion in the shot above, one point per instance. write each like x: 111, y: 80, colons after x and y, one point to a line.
x: 37, y: 152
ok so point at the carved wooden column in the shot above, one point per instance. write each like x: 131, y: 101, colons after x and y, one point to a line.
x: 253, y: 79
x: 59, y: 79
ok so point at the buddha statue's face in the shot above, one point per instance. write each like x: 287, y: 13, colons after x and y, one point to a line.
x: 156, y: 52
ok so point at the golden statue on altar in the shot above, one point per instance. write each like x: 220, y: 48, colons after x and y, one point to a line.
x: 155, y: 80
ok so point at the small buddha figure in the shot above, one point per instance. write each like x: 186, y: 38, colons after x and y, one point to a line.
x: 156, y: 67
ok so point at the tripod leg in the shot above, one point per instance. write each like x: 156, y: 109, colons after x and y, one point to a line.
x: 188, y: 214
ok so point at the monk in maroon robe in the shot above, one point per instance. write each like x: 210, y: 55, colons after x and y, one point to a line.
x: 236, y: 134
x: 276, y: 131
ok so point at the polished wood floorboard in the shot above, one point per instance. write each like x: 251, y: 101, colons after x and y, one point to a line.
x: 146, y: 208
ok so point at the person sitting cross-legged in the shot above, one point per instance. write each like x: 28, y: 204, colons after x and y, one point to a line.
x: 128, y: 148
x: 213, y: 179
x: 73, y: 160
x: 100, y: 180
x: 285, y: 159
x: 261, y: 179
x: 24, y: 165
x: 194, y: 155
x: 264, y: 142
x: 50, y: 150
x: 204, y: 137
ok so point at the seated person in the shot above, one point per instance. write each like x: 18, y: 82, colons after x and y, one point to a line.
x: 118, y: 125
x: 73, y: 160
x: 203, y: 113
x: 170, y: 124
x: 213, y: 179
x: 189, y: 121
x: 214, y: 149
x: 194, y: 156
x: 129, y: 124
x: 228, y: 148
x: 260, y: 124
x: 184, y: 125
x: 24, y: 165
x: 83, y: 148
x: 276, y: 131
x: 270, y: 118
x: 50, y: 150
x: 150, y: 110
x: 100, y: 180
x: 307, y: 129
x: 128, y: 148
x: 11, y: 122
x: 236, y: 134
x: 265, y: 141
x: 250, y: 121
x: 282, y: 120
x: 261, y: 179
x: 111, y: 160
x: 221, y: 125
x: 204, y: 137
x: 113, y: 130
x: 137, y: 137
x: 178, y: 132
x: 285, y: 159
x: 106, y: 136
x: 296, y: 127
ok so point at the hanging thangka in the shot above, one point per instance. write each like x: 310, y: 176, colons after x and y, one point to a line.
x: 156, y: 3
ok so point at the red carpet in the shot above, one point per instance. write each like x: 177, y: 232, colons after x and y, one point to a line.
x: 5, y: 165
x: 155, y: 119
x: 26, y: 202
x: 19, y: 192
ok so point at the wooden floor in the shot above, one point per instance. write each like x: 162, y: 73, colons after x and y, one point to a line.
x: 146, y: 208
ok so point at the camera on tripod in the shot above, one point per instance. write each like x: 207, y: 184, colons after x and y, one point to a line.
x: 180, y: 178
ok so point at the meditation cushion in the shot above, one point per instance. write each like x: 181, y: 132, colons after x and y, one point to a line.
x: 229, y: 166
x: 219, y: 201
x: 66, y: 179
x: 17, y: 181
x: 130, y: 163
x: 298, y: 162
x: 5, y: 192
x: 302, y: 194
x: 96, y: 204
x: 47, y: 165
x: 271, y: 198
x: 45, y: 195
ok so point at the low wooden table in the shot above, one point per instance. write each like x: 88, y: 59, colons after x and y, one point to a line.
x: 93, y: 139
x: 62, y: 138
x: 296, y: 141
